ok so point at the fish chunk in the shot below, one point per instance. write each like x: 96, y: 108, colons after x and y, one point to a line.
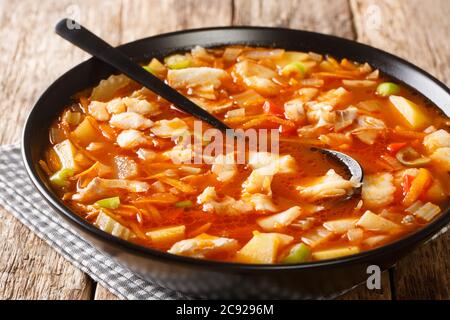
x: 196, y: 77
x: 130, y: 120
x: 98, y: 110
x: 228, y: 205
x: 293, y: 110
x: 378, y: 190
x: 141, y: 106
x: 436, y: 140
x: 116, y: 106
x: 100, y: 188
x: 224, y: 167
x: 173, y: 128
x: 331, y: 185
x: 204, y: 246
x: 129, y: 139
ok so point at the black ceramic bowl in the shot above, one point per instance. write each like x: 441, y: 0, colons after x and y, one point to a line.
x: 212, y: 279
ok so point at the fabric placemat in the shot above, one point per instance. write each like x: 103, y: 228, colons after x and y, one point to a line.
x: 19, y: 197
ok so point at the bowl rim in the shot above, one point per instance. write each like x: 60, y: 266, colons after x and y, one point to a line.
x: 409, y: 240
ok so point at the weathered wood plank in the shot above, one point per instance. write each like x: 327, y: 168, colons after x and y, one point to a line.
x: 143, y: 18
x: 101, y: 293
x: 412, y: 29
x: 418, y: 32
x: 32, y: 56
x: 325, y: 16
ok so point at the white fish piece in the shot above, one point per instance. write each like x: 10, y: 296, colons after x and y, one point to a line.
x: 258, y: 182
x: 116, y: 106
x: 227, y: 206
x: 378, y: 190
x: 331, y: 185
x: 204, y: 245
x: 260, y: 202
x: 170, y: 128
x: 283, y: 164
x: 98, y: 110
x: 279, y: 220
x: 100, y: 187
x: 196, y: 77
x: 263, y: 86
x: 146, y: 154
x: 130, y: 139
x: 293, y: 110
x: 436, y: 140
x: 224, y: 167
x: 139, y: 106
x: 130, y: 120
x: 180, y: 153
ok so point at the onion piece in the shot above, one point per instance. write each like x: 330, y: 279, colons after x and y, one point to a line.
x: 426, y: 211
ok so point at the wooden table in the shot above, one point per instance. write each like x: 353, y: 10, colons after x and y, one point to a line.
x: 32, y: 57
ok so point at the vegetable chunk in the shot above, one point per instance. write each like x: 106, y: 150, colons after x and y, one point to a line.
x: 263, y: 247
x: 378, y: 190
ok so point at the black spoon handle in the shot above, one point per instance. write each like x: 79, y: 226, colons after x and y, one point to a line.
x: 89, y: 42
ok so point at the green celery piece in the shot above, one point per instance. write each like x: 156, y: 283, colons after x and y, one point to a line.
x: 386, y: 89
x: 294, y: 67
x: 298, y: 253
x: 184, y: 204
x: 60, y: 178
x: 109, y: 203
x: 147, y: 68
x: 177, y: 61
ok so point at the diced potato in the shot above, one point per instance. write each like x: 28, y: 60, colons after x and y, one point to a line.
x: 441, y: 159
x: 340, y: 226
x: 263, y: 247
x: 436, y: 192
x: 108, y: 224
x: 85, y: 132
x: 166, y: 236
x: 371, y: 221
x: 436, y: 140
x: 279, y: 220
x: 375, y: 240
x: 413, y: 115
x: 291, y: 56
x: 335, y: 253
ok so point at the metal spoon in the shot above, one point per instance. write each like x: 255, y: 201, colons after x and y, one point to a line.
x: 89, y: 42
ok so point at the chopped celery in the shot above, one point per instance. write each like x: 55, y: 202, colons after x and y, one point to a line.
x: 60, y: 178
x: 148, y: 69
x: 183, y: 204
x: 298, y: 253
x: 294, y: 68
x: 109, y: 203
x: 177, y: 61
x: 385, y: 89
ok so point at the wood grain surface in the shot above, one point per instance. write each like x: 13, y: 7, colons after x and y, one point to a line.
x: 31, y: 57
